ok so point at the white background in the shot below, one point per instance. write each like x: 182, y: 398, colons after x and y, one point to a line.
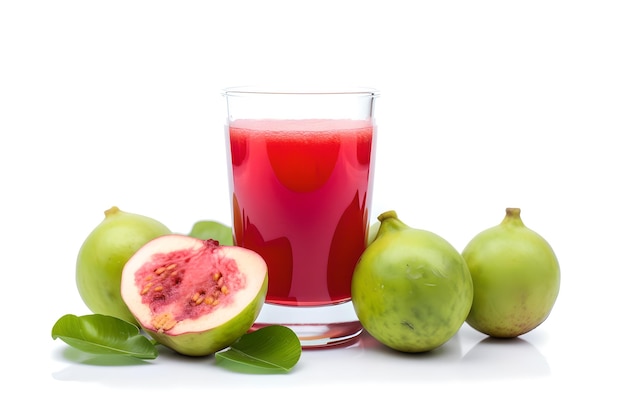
x: 484, y: 105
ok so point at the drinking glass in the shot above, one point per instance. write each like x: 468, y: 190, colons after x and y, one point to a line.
x: 300, y: 169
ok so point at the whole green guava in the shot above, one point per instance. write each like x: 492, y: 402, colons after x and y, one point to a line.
x: 516, y: 278
x: 411, y: 289
x: 103, y: 254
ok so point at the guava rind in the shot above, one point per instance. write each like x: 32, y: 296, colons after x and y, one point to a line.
x: 516, y: 278
x: 411, y: 289
x: 214, y: 331
x: 213, y: 340
x: 104, y: 253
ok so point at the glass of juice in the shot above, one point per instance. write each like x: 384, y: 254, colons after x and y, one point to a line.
x: 300, y: 167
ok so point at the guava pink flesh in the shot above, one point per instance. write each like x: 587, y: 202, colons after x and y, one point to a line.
x: 184, y: 283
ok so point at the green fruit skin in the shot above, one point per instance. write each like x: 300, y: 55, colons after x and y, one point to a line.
x: 210, y: 341
x: 411, y: 290
x: 516, y: 278
x: 103, y: 254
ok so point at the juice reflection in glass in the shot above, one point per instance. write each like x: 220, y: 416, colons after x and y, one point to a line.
x: 301, y: 182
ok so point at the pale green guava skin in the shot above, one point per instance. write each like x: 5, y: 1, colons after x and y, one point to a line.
x: 411, y: 289
x: 103, y: 254
x: 516, y: 278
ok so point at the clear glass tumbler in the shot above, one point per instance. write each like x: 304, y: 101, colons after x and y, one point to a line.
x: 301, y: 166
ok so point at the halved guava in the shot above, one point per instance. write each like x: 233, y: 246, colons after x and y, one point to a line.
x: 194, y: 296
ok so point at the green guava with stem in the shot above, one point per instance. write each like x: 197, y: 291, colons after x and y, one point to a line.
x: 411, y: 289
x: 516, y: 278
x: 192, y: 295
x: 103, y: 254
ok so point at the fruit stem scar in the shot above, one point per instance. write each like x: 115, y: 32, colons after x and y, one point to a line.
x: 407, y: 324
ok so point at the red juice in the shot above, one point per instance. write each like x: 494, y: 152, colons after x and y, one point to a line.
x: 301, y: 199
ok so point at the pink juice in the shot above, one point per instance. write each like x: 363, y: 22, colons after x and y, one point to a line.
x: 301, y: 199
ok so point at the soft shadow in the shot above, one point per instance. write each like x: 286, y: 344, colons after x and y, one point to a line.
x: 71, y: 354
x: 125, y: 371
x: 494, y: 358
x: 370, y: 361
x: 448, y: 352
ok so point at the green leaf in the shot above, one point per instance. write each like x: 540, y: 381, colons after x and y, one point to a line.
x: 209, y: 229
x: 270, y: 349
x: 103, y: 335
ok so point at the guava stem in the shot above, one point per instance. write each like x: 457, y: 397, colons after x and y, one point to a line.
x: 513, y: 216
x: 111, y: 211
x: 389, y: 221
x: 391, y: 214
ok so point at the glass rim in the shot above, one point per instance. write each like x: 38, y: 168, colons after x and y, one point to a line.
x: 303, y: 91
